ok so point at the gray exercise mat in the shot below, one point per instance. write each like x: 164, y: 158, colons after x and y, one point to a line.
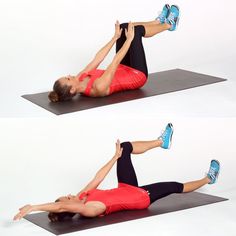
x: 171, y: 203
x: 158, y: 83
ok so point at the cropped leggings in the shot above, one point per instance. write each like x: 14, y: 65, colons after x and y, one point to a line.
x: 126, y: 174
x: 135, y: 57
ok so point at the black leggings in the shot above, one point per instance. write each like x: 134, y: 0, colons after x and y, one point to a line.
x: 126, y: 174
x: 135, y: 57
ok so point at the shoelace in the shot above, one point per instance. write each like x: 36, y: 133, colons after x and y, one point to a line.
x: 212, y: 173
x: 163, y: 134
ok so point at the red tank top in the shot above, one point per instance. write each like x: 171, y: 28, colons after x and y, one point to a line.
x: 125, y: 78
x: 125, y: 197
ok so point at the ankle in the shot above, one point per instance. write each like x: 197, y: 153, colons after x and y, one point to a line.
x: 167, y: 26
x: 157, y: 21
x: 159, y: 142
x: 207, y: 179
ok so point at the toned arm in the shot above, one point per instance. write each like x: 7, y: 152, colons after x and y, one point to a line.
x: 100, y: 56
x: 102, y: 53
x: 50, y: 207
x: 101, y: 85
x: 90, y: 210
x: 102, y: 173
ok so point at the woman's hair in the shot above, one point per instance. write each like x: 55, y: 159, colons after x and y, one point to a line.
x: 60, y: 93
x: 54, y: 217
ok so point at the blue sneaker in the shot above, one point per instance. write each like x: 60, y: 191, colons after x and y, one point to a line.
x: 213, y: 171
x: 163, y: 15
x: 173, y: 17
x: 166, y: 136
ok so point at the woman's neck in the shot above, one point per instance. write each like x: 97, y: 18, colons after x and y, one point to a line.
x: 82, y: 85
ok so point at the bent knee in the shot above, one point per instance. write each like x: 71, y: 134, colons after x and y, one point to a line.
x: 124, y: 25
x: 127, y: 146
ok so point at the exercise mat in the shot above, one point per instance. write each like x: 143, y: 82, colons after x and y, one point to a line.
x: 171, y: 203
x: 158, y: 83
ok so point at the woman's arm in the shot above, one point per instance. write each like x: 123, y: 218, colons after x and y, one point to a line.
x: 101, y: 85
x: 73, y: 207
x: 57, y: 207
x: 102, y: 173
x: 102, y: 53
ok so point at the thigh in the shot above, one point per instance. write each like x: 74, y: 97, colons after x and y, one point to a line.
x: 122, y: 39
x: 120, y: 42
x: 136, y: 51
x: 125, y: 170
x: 162, y: 189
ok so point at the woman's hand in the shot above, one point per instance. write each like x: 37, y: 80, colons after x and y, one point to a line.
x: 118, y: 30
x: 130, y: 32
x: 23, y: 211
x: 119, y: 149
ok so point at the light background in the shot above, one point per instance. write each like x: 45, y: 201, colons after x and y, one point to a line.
x: 47, y: 156
x: 43, y: 40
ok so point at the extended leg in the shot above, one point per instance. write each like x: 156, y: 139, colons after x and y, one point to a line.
x: 160, y: 190
x: 211, y: 178
x: 193, y: 185
x: 163, y: 189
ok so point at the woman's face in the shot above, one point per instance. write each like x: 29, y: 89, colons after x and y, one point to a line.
x: 69, y: 81
x: 68, y: 198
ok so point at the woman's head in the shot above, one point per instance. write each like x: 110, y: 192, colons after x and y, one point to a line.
x: 60, y: 216
x: 63, y: 89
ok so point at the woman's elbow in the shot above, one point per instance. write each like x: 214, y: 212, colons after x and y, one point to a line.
x: 101, y: 90
x: 61, y: 207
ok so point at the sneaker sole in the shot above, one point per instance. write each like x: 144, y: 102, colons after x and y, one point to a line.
x: 219, y: 168
x: 169, y: 146
x: 177, y: 22
x: 167, y: 6
x: 176, y: 6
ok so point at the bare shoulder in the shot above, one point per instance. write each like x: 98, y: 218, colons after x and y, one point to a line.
x: 93, y: 209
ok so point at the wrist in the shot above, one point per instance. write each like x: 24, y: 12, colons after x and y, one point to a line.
x: 114, y: 38
x: 129, y: 40
x: 33, y: 208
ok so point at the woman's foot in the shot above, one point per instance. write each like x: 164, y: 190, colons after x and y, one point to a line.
x: 166, y: 136
x: 213, y: 171
x: 173, y: 17
x: 164, y: 14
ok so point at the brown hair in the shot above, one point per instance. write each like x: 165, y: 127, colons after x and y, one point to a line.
x: 54, y: 217
x: 60, y: 93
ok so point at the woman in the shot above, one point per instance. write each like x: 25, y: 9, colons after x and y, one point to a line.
x: 128, y: 69
x: 92, y: 202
